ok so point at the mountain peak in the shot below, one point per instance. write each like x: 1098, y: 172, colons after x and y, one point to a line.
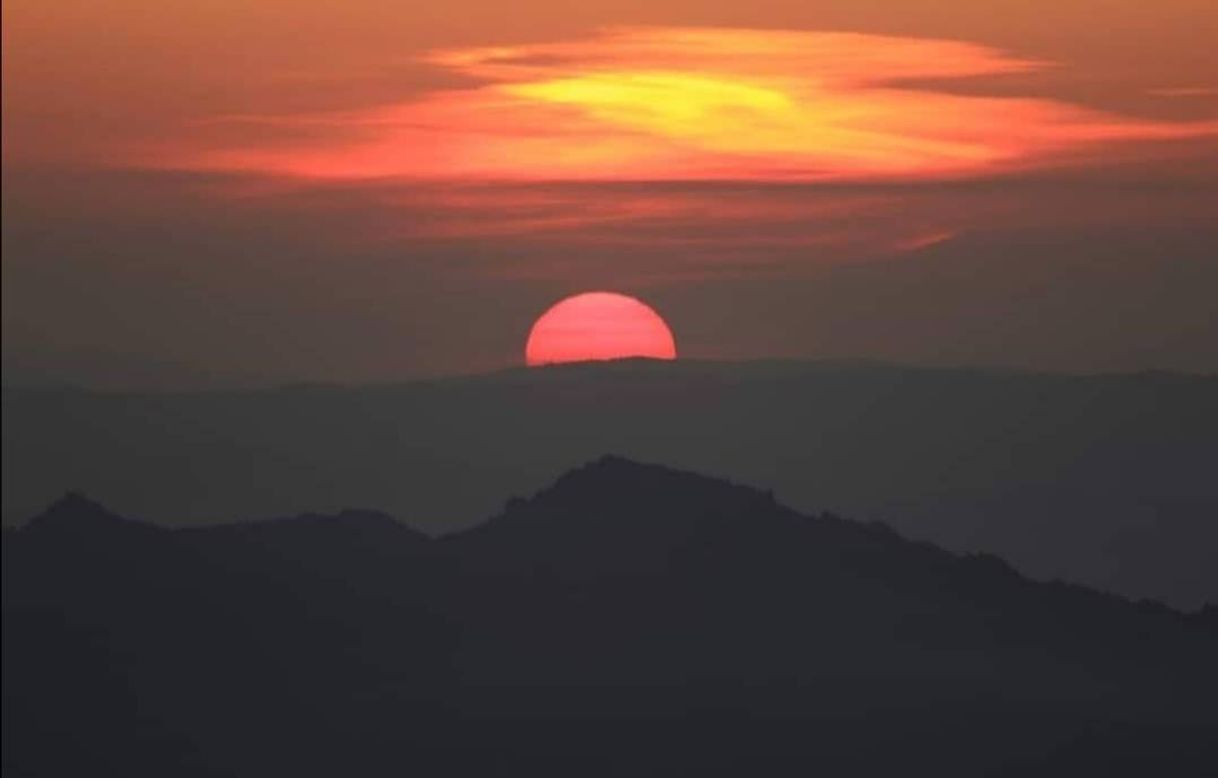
x: 619, y: 479
x: 634, y: 493
x: 75, y: 513
x: 614, y: 511
x: 612, y: 467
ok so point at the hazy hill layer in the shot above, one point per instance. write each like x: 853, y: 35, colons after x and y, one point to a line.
x: 1106, y: 480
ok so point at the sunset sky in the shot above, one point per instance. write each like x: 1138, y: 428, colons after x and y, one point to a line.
x: 232, y: 192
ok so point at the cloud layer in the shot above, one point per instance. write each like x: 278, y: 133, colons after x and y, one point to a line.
x: 689, y: 104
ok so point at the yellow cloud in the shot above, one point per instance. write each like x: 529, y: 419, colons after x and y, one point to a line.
x: 698, y: 104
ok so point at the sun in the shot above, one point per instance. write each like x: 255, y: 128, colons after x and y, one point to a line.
x: 598, y: 326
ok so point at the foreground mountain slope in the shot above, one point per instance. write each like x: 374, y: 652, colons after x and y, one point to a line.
x: 704, y: 577
x: 628, y: 620
x: 1102, y: 480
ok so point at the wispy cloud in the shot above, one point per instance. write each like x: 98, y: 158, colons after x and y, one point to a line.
x: 685, y: 104
x: 1186, y: 91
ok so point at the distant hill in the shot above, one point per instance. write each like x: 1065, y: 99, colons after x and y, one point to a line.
x: 627, y: 620
x: 1104, y: 480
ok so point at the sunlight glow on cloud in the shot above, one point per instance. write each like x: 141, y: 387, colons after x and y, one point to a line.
x: 676, y: 103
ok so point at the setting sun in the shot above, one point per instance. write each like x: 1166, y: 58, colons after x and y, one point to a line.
x: 598, y: 326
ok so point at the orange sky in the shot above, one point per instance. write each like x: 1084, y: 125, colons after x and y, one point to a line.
x: 456, y: 167
x: 86, y: 81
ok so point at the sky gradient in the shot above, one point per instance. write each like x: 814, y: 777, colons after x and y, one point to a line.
x: 228, y: 193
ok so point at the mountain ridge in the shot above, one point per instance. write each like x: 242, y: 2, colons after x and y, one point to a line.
x: 1099, y: 480
x: 612, y: 482
x: 625, y: 610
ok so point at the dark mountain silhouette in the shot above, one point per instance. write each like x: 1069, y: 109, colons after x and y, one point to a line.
x: 74, y: 516
x: 1102, y: 480
x: 627, y: 620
